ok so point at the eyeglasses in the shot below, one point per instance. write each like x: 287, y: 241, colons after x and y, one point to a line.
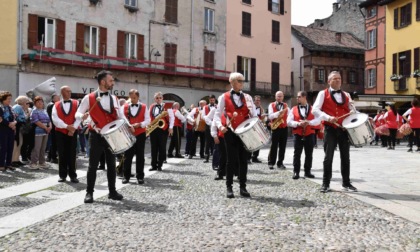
x: 159, y: 98
x: 240, y: 81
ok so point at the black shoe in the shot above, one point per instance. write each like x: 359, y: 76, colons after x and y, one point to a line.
x: 410, y: 150
x: 218, y: 177
x: 190, y: 157
x: 15, y: 164
x: 54, y: 161
x: 48, y: 159
x: 215, y: 168
x: 101, y: 168
x: 281, y: 167
x: 418, y: 149
x: 140, y: 181
x: 389, y: 148
x: 230, y: 193
x: 153, y: 169
x: 202, y: 157
x: 62, y: 180
x: 89, y: 198
x: 271, y: 167
x: 244, y: 193
x: 376, y: 143
x: 159, y: 168
x: 125, y: 181
x: 349, y: 187
x: 295, y: 175
x: 256, y: 160
x: 74, y: 180
x: 115, y: 196
x: 206, y: 161
x: 309, y: 175
x: 170, y: 156
x: 325, y: 188
x: 179, y: 156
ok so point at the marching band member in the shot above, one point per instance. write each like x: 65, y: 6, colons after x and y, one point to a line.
x: 195, y: 113
x: 376, y: 124
x: 412, y: 116
x: 238, y: 107
x: 219, y: 155
x: 208, y: 115
x: 393, y: 121
x: 329, y: 105
x: 384, y: 139
x: 64, y: 118
x: 138, y: 115
x: 189, y: 134
x: 176, y: 137
x: 103, y: 108
x: 278, y: 111
x: 301, y: 120
x: 159, y: 136
x: 260, y: 111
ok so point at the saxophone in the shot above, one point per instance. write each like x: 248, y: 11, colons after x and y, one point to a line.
x: 157, y: 122
x: 279, y: 120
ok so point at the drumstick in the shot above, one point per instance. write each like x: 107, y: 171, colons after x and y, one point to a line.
x: 351, y: 112
x: 98, y: 99
x: 235, y: 114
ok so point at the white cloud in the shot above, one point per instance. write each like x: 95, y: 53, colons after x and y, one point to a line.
x: 304, y: 12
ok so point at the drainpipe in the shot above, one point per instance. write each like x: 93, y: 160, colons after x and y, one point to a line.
x: 192, y: 33
x: 19, y: 38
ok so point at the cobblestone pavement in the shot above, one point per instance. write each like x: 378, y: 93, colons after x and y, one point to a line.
x: 184, y: 209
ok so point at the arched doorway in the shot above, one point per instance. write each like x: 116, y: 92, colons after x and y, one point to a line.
x: 173, y: 98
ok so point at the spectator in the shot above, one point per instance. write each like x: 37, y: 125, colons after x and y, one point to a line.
x: 22, y: 104
x: 28, y: 132
x: 7, y: 131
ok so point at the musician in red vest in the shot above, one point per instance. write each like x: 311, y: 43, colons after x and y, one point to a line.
x: 197, y: 114
x: 393, y: 122
x: 103, y: 108
x: 138, y: 116
x: 301, y: 120
x: 208, y: 115
x: 176, y: 137
x: 278, y: 110
x: 238, y: 107
x: 412, y: 116
x: 330, y: 104
x: 64, y: 117
x: 159, y: 136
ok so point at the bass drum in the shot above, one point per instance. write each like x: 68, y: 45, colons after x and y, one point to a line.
x: 253, y: 134
x: 118, y: 136
x: 359, y: 129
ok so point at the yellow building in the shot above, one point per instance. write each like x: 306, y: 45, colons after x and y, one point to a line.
x: 402, y: 47
x: 9, y: 45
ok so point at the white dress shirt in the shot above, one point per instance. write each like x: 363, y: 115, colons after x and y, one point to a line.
x: 213, y: 129
x: 209, y: 118
x: 273, y: 115
x: 134, y: 109
x: 156, y: 111
x: 294, y: 124
x: 180, y: 116
x: 317, y: 107
x: 58, y: 122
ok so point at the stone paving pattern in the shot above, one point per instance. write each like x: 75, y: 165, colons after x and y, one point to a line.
x: 184, y: 209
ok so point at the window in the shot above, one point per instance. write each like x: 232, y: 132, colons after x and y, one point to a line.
x: 91, y: 38
x: 170, y: 56
x: 131, y: 3
x: 131, y: 46
x: 371, y: 39
x: 418, y: 10
x: 208, y: 61
x: 275, y: 77
x: 46, y: 32
x: 209, y: 20
x: 402, y: 16
x: 276, y: 6
x: 371, y: 78
x: 246, y: 1
x: 417, y: 58
x: 246, y: 68
x: 352, y: 77
x: 293, y: 53
x: 371, y: 12
x: 246, y: 23
x: 275, y: 31
x: 171, y: 11
x: 320, y: 75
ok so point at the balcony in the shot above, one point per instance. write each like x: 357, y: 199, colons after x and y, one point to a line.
x: 62, y: 57
x: 266, y: 88
x: 401, y: 84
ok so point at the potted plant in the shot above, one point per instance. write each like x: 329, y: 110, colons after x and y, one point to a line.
x: 395, y: 77
x: 416, y: 73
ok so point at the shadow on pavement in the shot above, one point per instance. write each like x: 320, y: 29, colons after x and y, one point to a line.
x: 189, y: 173
x: 163, y: 183
x: 389, y: 196
x: 131, y: 205
x: 284, y: 202
x: 263, y: 182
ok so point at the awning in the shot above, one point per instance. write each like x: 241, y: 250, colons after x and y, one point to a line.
x: 386, y: 98
x: 366, y: 105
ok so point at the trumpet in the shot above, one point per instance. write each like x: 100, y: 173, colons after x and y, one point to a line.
x: 279, y: 120
x: 158, y: 122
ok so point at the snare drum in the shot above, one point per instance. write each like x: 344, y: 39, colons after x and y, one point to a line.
x: 118, y: 136
x: 359, y: 129
x: 253, y: 134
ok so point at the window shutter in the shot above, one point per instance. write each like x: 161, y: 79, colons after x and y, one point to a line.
x: 407, y: 63
x: 239, y: 65
x: 275, y: 78
x: 32, y: 31
x: 394, y: 63
x: 374, y: 77
x: 395, y: 18
x: 80, y: 37
x: 418, y: 10
x: 253, y: 73
x: 140, y: 47
x: 61, y: 33
x: 374, y: 37
x: 366, y: 78
x: 246, y: 23
x: 281, y: 7
x: 170, y: 56
x: 367, y: 40
x: 275, y: 31
x: 120, y: 44
x: 175, y: 11
x: 408, y: 13
x: 171, y: 11
x: 102, y: 41
x: 416, y: 58
x: 270, y: 5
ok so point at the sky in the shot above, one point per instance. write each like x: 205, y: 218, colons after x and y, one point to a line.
x: 304, y: 12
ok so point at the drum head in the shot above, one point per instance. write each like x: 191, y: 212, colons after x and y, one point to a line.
x: 355, y: 120
x: 246, y: 125
x: 112, y: 126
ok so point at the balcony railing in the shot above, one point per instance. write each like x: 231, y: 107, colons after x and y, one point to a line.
x: 63, y: 57
x: 266, y: 88
x: 401, y: 84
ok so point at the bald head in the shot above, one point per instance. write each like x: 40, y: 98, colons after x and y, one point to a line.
x: 65, y: 92
x: 279, y: 96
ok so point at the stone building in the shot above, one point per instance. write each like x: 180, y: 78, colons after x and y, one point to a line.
x: 346, y: 17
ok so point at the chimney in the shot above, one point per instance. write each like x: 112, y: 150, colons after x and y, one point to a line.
x: 338, y: 37
x: 335, y: 7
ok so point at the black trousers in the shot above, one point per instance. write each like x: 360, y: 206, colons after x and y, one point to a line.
x: 220, y: 154
x: 308, y: 145
x: 392, y: 137
x: 175, y: 141
x: 189, y: 139
x: 27, y: 145
x: 98, y: 145
x: 158, y: 140
x: 415, y: 135
x: 278, y: 141
x: 384, y: 140
x: 332, y: 137
x: 198, y: 134
x: 209, y: 142
x: 52, y: 154
x: 138, y: 150
x: 236, y: 159
x: 66, y: 146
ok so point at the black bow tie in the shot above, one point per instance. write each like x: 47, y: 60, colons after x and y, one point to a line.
x: 302, y: 106
x: 158, y: 106
x: 104, y: 93
x: 66, y: 101
x: 336, y: 92
x: 136, y: 105
x: 234, y: 92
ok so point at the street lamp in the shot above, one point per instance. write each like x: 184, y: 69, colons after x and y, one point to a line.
x: 157, y: 54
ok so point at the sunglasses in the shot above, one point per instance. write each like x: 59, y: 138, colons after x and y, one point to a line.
x: 240, y: 81
x: 159, y: 98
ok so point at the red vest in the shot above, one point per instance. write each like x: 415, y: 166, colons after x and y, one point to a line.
x: 100, y: 116
x: 166, y: 118
x: 223, y: 120
x: 243, y: 112
x: 136, y: 118
x: 377, y: 122
x: 274, y: 107
x: 296, y: 117
x: 332, y: 108
x: 415, y: 118
x: 177, y: 122
x: 391, y: 120
x: 67, y: 119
